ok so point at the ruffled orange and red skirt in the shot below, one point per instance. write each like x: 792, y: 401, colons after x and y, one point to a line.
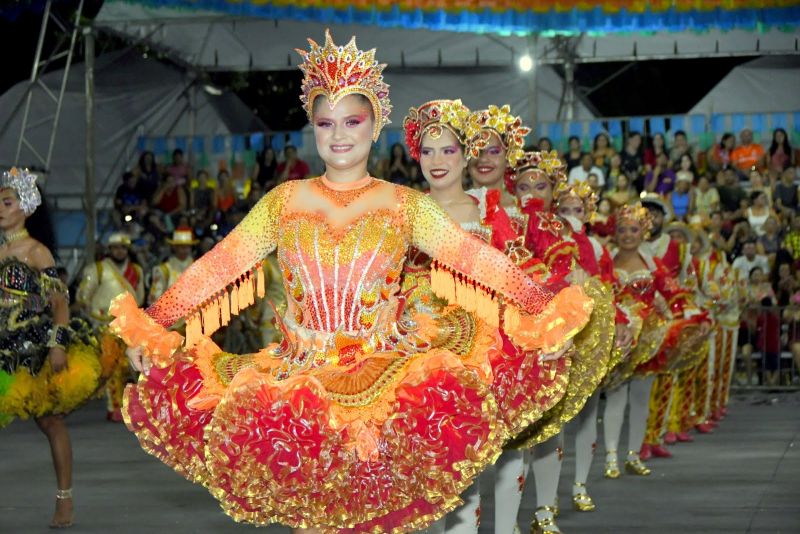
x: 385, y: 444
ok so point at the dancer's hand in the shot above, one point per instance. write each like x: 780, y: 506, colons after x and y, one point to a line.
x: 58, y: 359
x: 137, y: 359
x: 558, y: 354
x: 623, y: 336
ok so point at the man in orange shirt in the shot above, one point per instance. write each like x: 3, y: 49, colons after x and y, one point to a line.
x: 748, y: 154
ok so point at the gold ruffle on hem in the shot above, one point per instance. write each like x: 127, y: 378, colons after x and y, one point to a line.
x: 651, y: 337
x: 590, y: 363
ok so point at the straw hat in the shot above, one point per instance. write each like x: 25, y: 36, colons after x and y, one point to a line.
x: 183, y: 236
x: 119, y: 238
x: 652, y: 199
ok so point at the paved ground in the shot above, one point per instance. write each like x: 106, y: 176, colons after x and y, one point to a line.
x: 743, y: 478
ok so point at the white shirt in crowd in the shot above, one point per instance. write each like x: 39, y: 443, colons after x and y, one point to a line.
x: 744, y: 266
x: 578, y: 174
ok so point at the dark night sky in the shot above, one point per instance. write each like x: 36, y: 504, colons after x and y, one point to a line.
x: 648, y: 87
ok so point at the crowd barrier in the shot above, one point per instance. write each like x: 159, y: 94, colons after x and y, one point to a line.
x: 768, y: 352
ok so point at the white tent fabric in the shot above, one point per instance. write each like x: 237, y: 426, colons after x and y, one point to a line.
x: 213, y: 40
x: 133, y: 96
x: 769, y: 84
x: 479, y: 89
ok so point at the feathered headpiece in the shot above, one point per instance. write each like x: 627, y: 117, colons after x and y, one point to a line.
x: 582, y: 191
x: 636, y: 213
x: 433, y: 117
x: 481, y: 124
x: 337, y: 71
x: 24, y: 183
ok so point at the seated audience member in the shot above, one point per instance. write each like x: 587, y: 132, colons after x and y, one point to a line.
x: 178, y: 168
x: 602, y: 225
x: 681, y: 197
x: 130, y: 198
x: 632, y: 157
x: 658, y: 146
x: 149, y: 174
x: 397, y: 168
x: 621, y: 193
x: 680, y: 147
x: 614, y: 170
x: 786, y: 194
x: 731, y: 194
x: 292, y: 168
x: 748, y: 154
x: 716, y: 234
x: 581, y: 172
x: 574, y: 154
x: 226, y: 192
x: 781, y: 155
x: 602, y: 152
x: 750, y: 259
x: 170, y: 199
x: 719, y: 155
x: 791, y: 241
x: 758, y: 213
x: 686, y: 168
x: 544, y: 144
x: 757, y: 184
x: 770, y: 241
x: 705, y: 199
x: 661, y: 179
x: 266, y: 169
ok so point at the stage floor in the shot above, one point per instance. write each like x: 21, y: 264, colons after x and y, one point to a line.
x: 745, y: 477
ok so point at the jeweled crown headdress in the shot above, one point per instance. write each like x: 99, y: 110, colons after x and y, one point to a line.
x: 546, y: 163
x: 636, y: 213
x: 24, y: 183
x: 582, y: 191
x: 337, y: 71
x: 508, y: 127
x: 434, y: 117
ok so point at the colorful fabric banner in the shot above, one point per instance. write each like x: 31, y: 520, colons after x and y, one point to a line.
x: 516, y: 16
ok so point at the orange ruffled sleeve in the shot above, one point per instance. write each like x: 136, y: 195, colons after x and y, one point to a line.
x: 137, y: 329
x: 469, y: 273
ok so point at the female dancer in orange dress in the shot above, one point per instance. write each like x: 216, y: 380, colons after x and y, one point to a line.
x: 356, y: 421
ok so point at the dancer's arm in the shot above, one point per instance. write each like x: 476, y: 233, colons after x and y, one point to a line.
x: 472, y: 274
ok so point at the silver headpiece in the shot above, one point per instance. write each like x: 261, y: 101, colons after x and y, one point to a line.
x: 24, y: 183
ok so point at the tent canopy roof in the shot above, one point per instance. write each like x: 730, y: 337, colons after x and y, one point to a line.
x: 768, y: 84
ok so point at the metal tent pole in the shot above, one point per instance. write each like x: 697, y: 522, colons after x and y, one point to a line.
x: 89, y: 195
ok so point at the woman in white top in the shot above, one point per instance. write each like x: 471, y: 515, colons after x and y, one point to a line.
x: 758, y: 212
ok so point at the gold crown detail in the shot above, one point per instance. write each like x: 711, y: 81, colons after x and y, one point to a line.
x: 481, y: 124
x: 337, y: 71
x: 433, y: 117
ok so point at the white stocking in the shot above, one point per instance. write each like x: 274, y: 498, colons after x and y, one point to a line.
x: 547, y: 469
x: 509, y: 469
x: 613, y: 416
x: 640, y: 409
x: 585, y: 439
x: 436, y: 528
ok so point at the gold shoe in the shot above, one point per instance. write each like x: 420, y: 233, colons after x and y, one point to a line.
x: 635, y: 466
x: 612, y: 470
x: 546, y: 525
x: 581, y: 500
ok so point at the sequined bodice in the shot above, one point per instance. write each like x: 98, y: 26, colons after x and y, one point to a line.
x: 20, y: 283
x: 640, y: 284
x: 342, y: 279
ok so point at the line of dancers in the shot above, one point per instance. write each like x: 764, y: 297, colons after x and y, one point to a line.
x: 425, y: 340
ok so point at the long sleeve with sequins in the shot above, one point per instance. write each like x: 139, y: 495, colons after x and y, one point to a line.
x: 471, y: 261
x: 242, y: 250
